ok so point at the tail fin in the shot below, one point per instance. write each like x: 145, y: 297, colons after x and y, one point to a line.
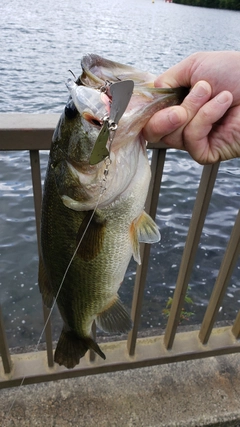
x: 70, y: 348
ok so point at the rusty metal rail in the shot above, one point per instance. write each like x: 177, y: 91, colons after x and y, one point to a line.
x: 33, y: 133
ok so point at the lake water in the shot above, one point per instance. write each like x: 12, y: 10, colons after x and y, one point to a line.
x: 40, y: 42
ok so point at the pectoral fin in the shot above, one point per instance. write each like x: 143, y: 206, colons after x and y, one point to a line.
x: 143, y: 229
x: 91, y: 234
x: 114, y: 318
x: 147, y: 229
x: 44, y: 284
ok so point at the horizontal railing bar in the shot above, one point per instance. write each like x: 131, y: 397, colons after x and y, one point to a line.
x: 230, y: 258
x: 22, y: 122
x: 32, y: 131
x: 150, y: 351
x: 27, y: 131
x: 195, y: 229
x: 4, y: 349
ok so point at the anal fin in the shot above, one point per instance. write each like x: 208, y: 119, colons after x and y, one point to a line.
x: 114, y: 318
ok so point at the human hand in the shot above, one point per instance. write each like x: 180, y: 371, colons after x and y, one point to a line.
x: 207, y: 124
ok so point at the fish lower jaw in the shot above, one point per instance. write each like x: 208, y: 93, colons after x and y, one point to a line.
x: 78, y: 205
x: 99, y: 201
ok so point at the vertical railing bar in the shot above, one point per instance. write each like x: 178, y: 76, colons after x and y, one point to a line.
x: 37, y: 190
x: 224, y: 275
x: 195, y: 229
x: 236, y: 327
x: 4, y: 349
x: 48, y: 334
x: 37, y: 194
x: 92, y: 354
x: 157, y: 165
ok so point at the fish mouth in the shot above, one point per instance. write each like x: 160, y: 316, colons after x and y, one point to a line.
x: 92, y: 104
x: 93, y: 100
x: 98, y: 70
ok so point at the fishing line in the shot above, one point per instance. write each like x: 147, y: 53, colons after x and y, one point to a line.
x: 103, y: 188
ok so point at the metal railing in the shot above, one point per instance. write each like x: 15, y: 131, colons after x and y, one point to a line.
x: 33, y: 133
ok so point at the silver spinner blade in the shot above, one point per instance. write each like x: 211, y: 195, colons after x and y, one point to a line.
x: 121, y: 94
x: 100, y: 151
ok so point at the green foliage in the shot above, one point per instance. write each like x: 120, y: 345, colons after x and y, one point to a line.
x: 218, y: 4
x: 185, y: 315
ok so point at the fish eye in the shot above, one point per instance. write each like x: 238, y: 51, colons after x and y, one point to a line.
x: 91, y: 119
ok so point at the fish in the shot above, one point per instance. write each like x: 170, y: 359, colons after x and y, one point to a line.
x: 93, y: 217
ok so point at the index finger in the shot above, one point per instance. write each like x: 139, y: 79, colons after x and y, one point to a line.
x: 168, y: 124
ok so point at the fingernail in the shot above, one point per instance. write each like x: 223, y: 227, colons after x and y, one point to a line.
x: 222, y: 98
x: 199, y: 90
x: 174, y: 117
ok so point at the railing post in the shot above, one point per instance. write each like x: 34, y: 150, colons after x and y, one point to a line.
x: 195, y: 229
x: 236, y: 327
x: 37, y: 190
x: 157, y: 165
x: 37, y: 193
x: 225, y: 272
x: 4, y: 349
x: 92, y: 354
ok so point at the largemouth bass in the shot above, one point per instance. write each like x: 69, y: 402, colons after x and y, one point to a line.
x: 93, y: 214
